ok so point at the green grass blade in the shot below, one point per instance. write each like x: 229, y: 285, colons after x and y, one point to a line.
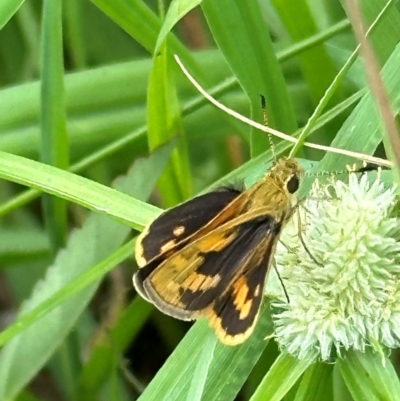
x: 122, y: 74
x: 17, y: 245
x: 74, y: 33
x: 7, y: 9
x: 26, y: 396
x: 177, y: 9
x: 367, y: 378
x: 316, y: 384
x: 76, y: 189
x: 190, y: 107
x: 35, y: 335
x: 283, y: 374
x: 106, y: 111
x: 313, y: 40
x: 45, y: 327
x: 242, y: 36
x: 96, y: 370
x: 54, y: 143
x: 197, y: 385
x: 364, y: 122
x: 316, y: 64
x: 30, y: 32
x: 136, y: 18
x: 340, y: 390
x: 226, y: 373
x: 139, y: 21
x: 387, y: 34
x: 391, y: 138
x: 333, y: 87
x: 163, y: 123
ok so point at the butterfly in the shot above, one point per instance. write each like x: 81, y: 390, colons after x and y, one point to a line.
x: 210, y: 256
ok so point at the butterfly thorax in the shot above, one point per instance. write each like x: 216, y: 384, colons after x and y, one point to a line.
x: 275, y: 190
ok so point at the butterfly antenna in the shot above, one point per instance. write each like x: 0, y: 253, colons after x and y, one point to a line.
x: 265, y: 122
x: 365, y: 168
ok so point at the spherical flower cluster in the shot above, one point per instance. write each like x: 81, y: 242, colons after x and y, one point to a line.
x: 343, y: 285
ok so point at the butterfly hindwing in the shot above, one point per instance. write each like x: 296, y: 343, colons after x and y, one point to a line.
x: 241, y: 242
x: 234, y: 314
x: 209, y: 276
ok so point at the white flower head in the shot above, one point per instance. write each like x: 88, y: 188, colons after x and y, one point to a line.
x: 344, y: 289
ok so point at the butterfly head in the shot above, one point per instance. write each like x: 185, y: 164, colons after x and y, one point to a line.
x: 286, y: 174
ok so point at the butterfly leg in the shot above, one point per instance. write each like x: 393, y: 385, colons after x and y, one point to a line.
x: 281, y: 281
x: 300, y: 233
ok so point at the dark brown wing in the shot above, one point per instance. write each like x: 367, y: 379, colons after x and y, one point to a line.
x: 248, y: 246
x: 220, y: 275
x: 179, y: 223
x: 234, y: 314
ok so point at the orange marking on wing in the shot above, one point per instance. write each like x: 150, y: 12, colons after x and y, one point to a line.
x: 200, y: 282
x: 241, y: 290
x: 168, y: 245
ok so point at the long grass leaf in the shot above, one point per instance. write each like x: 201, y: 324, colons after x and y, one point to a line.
x: 243, y: 37
x: 369, y: 377
x: 98, y: 240
x: 54, y: 138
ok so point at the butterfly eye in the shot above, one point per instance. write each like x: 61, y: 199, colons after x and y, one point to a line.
x: 293, y: 184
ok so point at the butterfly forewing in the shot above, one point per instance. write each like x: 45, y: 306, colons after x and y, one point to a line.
x: 179, y: 223
x: 168, y: 271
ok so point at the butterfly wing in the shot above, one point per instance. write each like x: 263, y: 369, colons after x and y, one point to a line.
x: 234, y: 314
x: 220, y: 275
x: 179, y: 223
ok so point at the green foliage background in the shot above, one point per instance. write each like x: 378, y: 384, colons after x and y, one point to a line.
x: 82, y: 101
